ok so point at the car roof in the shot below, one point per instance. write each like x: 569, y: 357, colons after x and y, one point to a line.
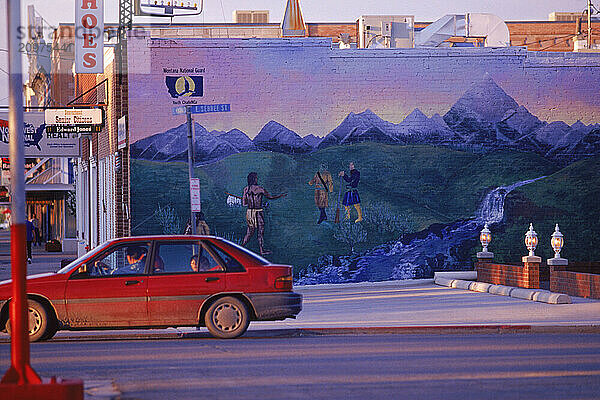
x: 162, y: 237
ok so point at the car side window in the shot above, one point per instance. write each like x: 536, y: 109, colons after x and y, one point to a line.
x: 231, y: 264
x: 184, y: 257
x: 124, y: 259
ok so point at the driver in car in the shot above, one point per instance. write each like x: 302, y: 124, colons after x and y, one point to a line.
x: 136, y: 257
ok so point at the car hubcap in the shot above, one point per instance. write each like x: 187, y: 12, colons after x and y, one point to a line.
x: 227, y: 317
x: 35, y: 321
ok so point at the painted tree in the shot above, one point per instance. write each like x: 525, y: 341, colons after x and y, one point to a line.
x: 168, y: 220
x: 350, y: 233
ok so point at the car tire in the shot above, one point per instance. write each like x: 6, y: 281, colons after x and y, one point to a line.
x: 38, y: 322
x: 227, y: 318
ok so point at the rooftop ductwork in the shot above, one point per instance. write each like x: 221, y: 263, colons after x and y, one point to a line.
x: 489, y: 26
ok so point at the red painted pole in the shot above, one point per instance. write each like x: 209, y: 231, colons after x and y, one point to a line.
x: 20, y: 371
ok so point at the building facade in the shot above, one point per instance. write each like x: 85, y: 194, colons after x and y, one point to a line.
x: 308, y: 90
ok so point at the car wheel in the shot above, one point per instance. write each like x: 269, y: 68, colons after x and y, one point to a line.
x: 38, y: 322
x: 227, y: 318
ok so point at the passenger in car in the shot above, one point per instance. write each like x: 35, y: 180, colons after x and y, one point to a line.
x: 159, y: 265
x: 199, y: 263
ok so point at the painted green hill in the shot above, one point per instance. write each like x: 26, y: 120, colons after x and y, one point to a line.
x: 402, y: 188
x: 571, y: 198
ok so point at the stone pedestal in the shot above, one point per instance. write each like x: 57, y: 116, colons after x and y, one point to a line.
x: 557, y: 264
x: 483, y: 257
x: 531, y: 272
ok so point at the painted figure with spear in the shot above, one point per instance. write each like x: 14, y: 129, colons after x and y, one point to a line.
x: 255, y: 219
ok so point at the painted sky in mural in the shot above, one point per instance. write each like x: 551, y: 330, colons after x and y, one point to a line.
x: 330, y: 84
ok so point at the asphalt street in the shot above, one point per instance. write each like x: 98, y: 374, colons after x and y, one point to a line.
x: 457, y: 366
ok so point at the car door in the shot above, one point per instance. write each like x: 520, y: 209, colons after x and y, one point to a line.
x: 176, y: 291
x: 112, y: 288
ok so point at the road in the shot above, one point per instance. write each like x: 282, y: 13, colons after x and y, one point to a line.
x: 456, y: 366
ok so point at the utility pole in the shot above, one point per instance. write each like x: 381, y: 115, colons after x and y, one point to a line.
x: 190, y: 126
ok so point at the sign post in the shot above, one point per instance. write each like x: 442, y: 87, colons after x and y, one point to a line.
x: 191, y: 166
x: 188, y: 111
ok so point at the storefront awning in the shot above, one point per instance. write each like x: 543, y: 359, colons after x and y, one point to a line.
x: 50, y: 187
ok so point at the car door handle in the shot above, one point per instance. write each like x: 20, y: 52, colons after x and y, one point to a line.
x: 212, y: 279
x: 129, y: 283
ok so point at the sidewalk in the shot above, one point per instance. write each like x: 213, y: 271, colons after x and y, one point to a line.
x: 42, y: 261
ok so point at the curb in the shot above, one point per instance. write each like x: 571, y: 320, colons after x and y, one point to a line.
x: 311, y: 332
x: 540, y: 295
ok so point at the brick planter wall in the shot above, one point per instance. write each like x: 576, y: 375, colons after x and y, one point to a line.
x: 527, y: 276
x: 578, y: 284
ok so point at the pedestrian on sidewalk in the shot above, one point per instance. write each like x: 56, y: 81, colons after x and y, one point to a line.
x: 30, y: 233
x: 37, y: 238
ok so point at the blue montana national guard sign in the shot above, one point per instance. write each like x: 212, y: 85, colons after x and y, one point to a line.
x: 185, y: 86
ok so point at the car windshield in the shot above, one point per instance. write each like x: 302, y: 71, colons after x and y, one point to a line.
x: 72, y: 264
x: 255, y: 256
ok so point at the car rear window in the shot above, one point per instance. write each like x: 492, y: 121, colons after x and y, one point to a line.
x: 260, y: 260
x: 231, y: 264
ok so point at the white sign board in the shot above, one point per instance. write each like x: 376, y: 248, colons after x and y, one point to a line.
x: 195, y: 194
x: 89, y: 36
x: 70, y: 116
x: 38, y: 142
x: 121, y: 133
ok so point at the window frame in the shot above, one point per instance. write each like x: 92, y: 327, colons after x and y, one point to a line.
x: 156, y: 249
x: 105, y: 252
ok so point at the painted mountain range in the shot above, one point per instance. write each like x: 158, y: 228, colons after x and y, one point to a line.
x: 484, y: 118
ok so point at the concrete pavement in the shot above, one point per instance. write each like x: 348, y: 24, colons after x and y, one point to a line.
x: 393, y: 306
x: 42, y: 261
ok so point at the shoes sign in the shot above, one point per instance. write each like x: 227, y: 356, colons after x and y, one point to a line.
x: 89, y: 36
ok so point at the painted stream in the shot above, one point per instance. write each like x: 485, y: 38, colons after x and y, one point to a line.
x: 418, y: 255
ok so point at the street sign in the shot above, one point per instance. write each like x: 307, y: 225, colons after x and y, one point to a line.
x: 89, y: 36
x: 38, y: 141
x: 78, y: 129
x: 121, y: 133
x: 169, y: 8
x: 195, y: 195
x: 202, y: 108
x: 73, y: 116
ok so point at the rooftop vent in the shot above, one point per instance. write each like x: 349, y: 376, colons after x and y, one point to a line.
x: 251, y: 16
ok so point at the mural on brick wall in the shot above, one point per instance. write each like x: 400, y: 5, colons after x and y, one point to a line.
x: 355, y: 167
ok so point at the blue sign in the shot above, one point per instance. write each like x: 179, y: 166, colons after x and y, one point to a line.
x: 202, y: 108
x: 185, y: 86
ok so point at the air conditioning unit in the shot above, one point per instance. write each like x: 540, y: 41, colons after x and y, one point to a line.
x: 251, y: 16
x: 386, y: 31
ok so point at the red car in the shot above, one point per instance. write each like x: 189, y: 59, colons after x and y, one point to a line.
x: 158, y: 282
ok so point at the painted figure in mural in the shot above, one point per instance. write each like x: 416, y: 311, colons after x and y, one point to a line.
x: 201, y: 225
x: 255, y: 219
x: 351, y: 197
x: 323, y: 185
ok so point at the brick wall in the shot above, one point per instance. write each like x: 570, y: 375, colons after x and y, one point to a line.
x: 526, y: 276
x: 574, y: 283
